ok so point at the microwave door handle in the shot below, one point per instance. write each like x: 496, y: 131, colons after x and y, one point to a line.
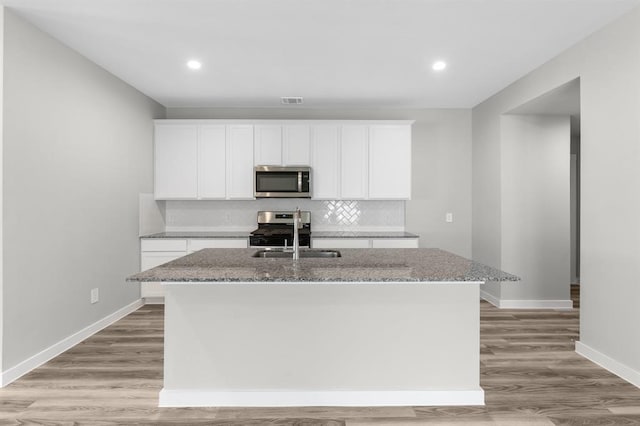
x: 299, y: 181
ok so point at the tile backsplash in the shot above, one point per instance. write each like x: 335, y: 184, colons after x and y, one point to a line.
x: 332, y: 215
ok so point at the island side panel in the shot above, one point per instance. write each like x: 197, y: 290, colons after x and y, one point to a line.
x: 319, y: 338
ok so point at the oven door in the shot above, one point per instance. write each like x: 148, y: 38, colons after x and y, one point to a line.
x: 282, y: 182
x: 261, y: 241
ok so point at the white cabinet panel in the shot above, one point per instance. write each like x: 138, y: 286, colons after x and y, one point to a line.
x: 325, y: 162
x: 212, y: 161
x: 199, y: 244
x: 157, y: 251
x: 295, y: 145
x: 175, y: 162
x: 240, y: 162
x: 163, y: 244
x: 341, y: 243
x: 354, y: 164
x: 394, y: 243
x: 268, y: 145
x: 390, y: 162
x: 150, y: 260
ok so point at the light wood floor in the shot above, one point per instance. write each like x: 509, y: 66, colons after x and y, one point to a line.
x: 530, y: 373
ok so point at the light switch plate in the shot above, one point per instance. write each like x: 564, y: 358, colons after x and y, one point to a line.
x: 449, y: 217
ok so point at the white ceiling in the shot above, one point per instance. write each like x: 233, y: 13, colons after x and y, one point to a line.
x: 334, y: 53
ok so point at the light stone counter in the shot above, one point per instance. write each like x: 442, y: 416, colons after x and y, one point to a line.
x: 362, y: 234
x: 356, y: 265
x: 250, y: 332
x: 198, y: 234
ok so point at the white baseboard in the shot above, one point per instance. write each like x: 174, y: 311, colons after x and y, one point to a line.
x: 490, y: 298
x: 536, y: 304
x: 203, y: 398
x: 53, y: 351
x: 153, y: 300
x: 625, y: 372
x: 526, y: 304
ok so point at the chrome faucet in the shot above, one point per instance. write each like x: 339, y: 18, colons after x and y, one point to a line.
x: 297, y: 219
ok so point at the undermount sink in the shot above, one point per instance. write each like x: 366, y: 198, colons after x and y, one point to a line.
x: 267, y: 254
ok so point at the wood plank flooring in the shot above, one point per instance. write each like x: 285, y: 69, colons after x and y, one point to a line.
x: 530, y: 373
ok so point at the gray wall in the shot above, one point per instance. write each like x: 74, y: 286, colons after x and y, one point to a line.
x: 441, y: 164
x: 1, y: 188
x: 608, y: 64
x: 535, y: 206
x: 77, y: 151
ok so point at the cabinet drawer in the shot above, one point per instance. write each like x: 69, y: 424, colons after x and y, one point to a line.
x: 159, y: 244
x: 341, y: 243
x: 394, y: 243
x: 199, y: 244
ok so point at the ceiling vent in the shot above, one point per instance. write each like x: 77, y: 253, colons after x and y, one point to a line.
x: 291, y: 100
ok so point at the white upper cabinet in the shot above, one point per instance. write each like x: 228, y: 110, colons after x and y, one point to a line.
x: 350, y: 160
x: 203, y: 162
x: 296, y: 140
x: 286, y: 145
x: 325, y: 167
x: 268, y: 145
x: 389, y: 162
x: 212, y: 160
x: 354, y: 162
x: 240, y: 162
x: 176, y: 150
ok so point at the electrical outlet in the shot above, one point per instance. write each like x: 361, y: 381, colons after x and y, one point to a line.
x: 449, y: 217
x: 95, y: 295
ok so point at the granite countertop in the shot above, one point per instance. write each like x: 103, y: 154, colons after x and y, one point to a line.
x: 367, y: 234
x: 355, y: 265
x: 314, y: 234
x: 198, y: 234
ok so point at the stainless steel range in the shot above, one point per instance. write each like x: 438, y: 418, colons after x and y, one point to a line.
x: 275, y: 229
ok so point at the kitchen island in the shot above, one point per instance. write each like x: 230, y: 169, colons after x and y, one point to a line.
x: 372, y: 327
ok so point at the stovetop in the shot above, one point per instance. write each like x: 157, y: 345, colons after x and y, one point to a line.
x: 275, y: 229
x: 278, y: 230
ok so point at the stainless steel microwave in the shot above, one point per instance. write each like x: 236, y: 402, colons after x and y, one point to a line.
x: 282, y: 182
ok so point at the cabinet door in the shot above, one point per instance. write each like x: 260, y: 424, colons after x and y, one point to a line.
x: 175, y: 168
x: 201, y: 243
x: 268, y: 145
x: 354, y: 164
x: 150, y: 260
x: 390, y: 162
x: 240, y: 162
x: 394, y: 243
x: 295, y: 145
x: 324, y: 163
x: 212, y: 160
x: 341, y: 243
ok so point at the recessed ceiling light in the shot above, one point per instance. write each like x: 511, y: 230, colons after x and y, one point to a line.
x: 439, y: 65
x: 194, y: 65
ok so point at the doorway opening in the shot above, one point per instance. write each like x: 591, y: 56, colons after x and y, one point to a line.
x: 541, y: 196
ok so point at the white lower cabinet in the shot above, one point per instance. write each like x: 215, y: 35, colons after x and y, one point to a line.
x: 394, y: 243
x: 341, y: 243
x: 150, y: 260
x: 200, y: 243
x: 337, y: 243
x: 156, y: 251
